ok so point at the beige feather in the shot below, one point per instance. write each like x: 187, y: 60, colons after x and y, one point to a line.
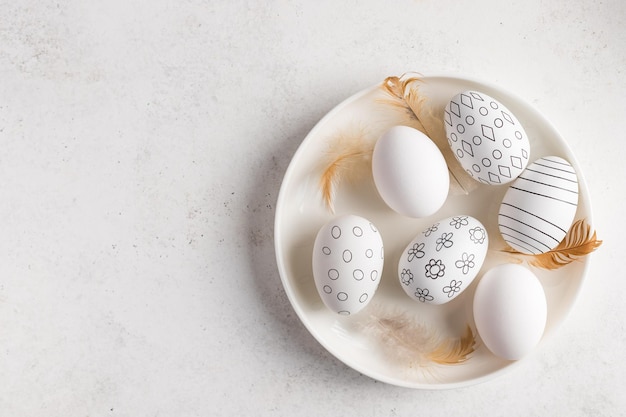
x: 414, y: 343
x: 578, y: 242
x: 349, y: 157
x: 403, y: 97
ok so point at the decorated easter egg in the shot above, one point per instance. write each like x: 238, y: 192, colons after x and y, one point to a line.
x: 486, y: 138
x: 348, y: 258
x: 443, y: 260
x: 410, y: 173
x: 539, y: 207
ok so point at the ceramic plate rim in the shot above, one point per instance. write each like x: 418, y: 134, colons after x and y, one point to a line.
x: 302, y: 315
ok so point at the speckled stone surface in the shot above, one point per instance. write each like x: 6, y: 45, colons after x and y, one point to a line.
x: 143, y: 147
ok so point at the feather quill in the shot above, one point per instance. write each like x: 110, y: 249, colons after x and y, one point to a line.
x: 404, y: 94
x: 349, y: 157
x: 415, y: 344
x: 579, y: 241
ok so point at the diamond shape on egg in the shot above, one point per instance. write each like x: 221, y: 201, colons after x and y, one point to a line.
x: 516, y: 161
x: 467, y: 101
x: 504, y: 171
x: 455, y: 109
x: 467, y: 147
x: 494, y: 178
x: 488, y: 132
x: 507, y: 117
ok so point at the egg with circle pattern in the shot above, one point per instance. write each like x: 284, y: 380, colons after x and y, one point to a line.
x: 348, y: 257
x: 443, y: 259
x: 486, y: 138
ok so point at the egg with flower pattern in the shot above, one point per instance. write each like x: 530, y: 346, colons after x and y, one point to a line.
x: 443, y: 260
x: 348, y: 257
x: 486, y: 138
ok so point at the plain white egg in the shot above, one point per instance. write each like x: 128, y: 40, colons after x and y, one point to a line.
x: 410, y: 172
x: 510, y: 310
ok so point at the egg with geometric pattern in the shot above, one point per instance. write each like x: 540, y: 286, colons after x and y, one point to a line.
x: 348, y: 257
x: 486, y: 138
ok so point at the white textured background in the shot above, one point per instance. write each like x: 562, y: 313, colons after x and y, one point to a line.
x: 143, y: 144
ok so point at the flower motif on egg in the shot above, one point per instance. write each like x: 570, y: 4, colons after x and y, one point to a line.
x: 478, y: 235
x: 435, y: 269
x: 445, y: 241
x: 416, y: 251
x: 453, y: 288
x: 431, y: 230
x: 466, y: 262
x: 459, y: 221
x: 406, y: 276
x: 445, y: 263
x: 423, y: 294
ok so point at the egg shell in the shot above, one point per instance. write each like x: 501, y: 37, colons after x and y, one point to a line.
x: 443, y: 260
x: 410, y: 173
x: 348, y: 257
x: 510, y: 310
x: 539, y: 207
x: 486, y: 138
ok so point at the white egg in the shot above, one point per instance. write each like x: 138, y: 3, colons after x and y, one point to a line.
x: 539, y: 207
x: 443, y: 259
x: 510, y: 311
x: 348, y: 257
x: 486, y: 138
x: 410, y: 172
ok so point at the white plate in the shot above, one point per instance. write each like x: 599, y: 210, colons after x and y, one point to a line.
x: 300, y: 213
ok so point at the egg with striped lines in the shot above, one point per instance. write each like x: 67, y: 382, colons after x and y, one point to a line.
x: 539, y: 207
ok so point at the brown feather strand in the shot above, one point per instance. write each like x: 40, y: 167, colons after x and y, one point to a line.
x: 398, y: 89
x: 349, y: 157
x: 455, y: 351
x: 579, y: 241
x: 406, y: 96
x: 414, y: 343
